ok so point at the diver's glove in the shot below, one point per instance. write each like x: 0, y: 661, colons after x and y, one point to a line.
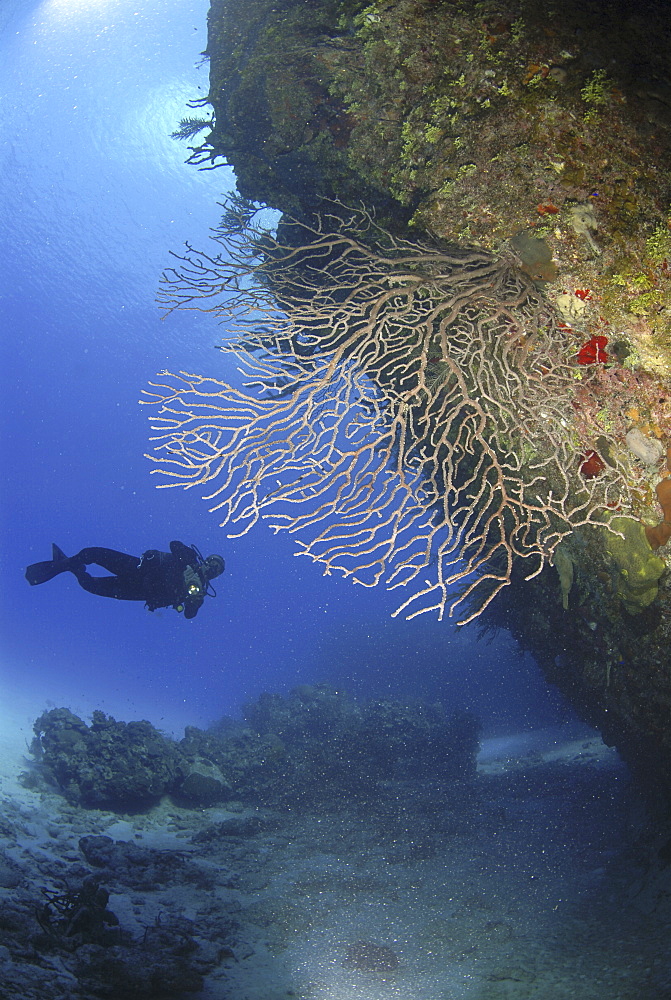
x: 192, y: 583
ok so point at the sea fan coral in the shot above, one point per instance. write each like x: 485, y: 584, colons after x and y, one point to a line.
x: 408, y: 414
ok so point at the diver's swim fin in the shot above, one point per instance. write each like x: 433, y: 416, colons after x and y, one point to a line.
x: 42, y: 571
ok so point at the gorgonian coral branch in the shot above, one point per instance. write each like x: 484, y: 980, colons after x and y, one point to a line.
x: 407, y: 410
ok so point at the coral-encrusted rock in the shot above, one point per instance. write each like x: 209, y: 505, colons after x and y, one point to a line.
x: 203, y: 785
x: 542, y: 129
x: 118, y: 765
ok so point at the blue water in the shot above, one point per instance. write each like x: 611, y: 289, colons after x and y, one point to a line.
x: 94, y: 195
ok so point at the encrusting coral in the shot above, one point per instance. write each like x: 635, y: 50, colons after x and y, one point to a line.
x: 638, y: 570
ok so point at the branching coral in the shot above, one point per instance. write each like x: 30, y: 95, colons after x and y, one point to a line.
x: 408, y: 414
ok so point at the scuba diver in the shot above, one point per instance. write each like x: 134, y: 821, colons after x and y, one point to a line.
x: 179, y: 578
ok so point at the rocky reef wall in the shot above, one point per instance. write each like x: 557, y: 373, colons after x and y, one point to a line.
x: 544, y: 133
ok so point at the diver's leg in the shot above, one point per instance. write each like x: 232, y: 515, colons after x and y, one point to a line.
x: 119, y: 563
x: 125, y: 585
x: 123, y: 588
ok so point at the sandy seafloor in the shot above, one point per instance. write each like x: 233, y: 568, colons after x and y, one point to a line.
x: 541, y: 882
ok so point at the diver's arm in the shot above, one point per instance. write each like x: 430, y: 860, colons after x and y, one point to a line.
x: 194, y: 592
x: 192, y: 607
x: 185, y: 555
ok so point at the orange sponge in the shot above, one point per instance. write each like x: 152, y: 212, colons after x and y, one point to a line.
x: 659, y: 534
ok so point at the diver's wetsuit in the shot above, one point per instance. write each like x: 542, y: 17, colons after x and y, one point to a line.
x: 158, y: 578
x: 179, y: 578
